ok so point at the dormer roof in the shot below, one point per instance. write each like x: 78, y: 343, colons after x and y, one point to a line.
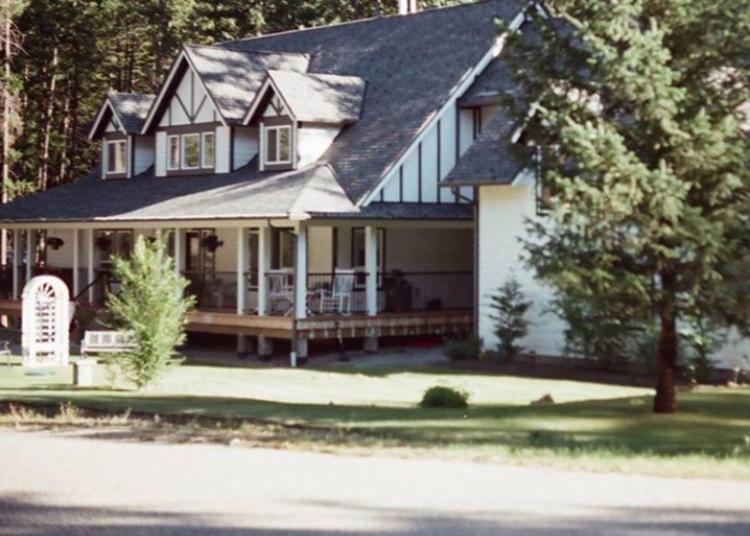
x: 230, y: 77
x: 127, y: 110
x: 314, y: 98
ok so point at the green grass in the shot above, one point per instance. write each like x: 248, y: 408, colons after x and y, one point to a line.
x: 592, y: 426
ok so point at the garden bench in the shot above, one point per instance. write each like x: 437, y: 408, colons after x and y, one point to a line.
x: 106, y: 342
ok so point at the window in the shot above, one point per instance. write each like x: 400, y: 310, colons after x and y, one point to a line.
x: 283, y: 250
x: 208, y: 153
x: 173, y: 162
x: 116, y: 156
x: 191, y: 151
x: 358, y: 253
x: 278, y: 145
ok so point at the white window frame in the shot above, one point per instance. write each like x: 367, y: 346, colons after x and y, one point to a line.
x: 278, y: 129
x: 183, y: 165
x: 205, y: 135
x: 175, y: 167
x: 124, y: 165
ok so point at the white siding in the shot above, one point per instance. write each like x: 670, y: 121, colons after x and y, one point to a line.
x: 319, y: 250
x: 429, y: 167
x: 410, y: 192
x: 245, y: 145
x: 223, y: 149
x: 502, y: 214
x: 392, y: 189
x: 189, y: 105
x: 63, y: 257
x: 144, y: 154
x: 466, y: 129
x: 177, y: 114
x: 312, y: 142
x: 447, y: 150
x: 160, y: 167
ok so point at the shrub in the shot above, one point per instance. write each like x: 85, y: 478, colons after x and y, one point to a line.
x: 444, y: 397
x: 151, y: 305
x: 510, y: 307
x: 464, y: 350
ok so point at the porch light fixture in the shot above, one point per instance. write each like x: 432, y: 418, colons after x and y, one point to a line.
x: 212, y: 243
x: 55, y: 242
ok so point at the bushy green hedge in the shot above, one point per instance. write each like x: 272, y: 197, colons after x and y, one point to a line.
x: 444, y: 397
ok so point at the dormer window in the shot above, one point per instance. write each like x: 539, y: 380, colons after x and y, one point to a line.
x: 278, y: 145
x: 208, y: 150
x: 116, y: 157
x: 191, y: 151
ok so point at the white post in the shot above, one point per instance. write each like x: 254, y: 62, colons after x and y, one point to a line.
x: 264, y: 264
x: 90, y: 263
x: 242, y: 267
x: 371, y: 267
x: 179, y: 250
x: 76, y: 262
x: 300, y: 273
x: 30, y: 247
x: 16, y: 260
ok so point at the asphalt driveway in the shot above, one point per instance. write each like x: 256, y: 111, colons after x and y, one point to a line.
x: 52, y: 485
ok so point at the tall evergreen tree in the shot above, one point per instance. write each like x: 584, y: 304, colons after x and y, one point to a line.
x: 639, y: 120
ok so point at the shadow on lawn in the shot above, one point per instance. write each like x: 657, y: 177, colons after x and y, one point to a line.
x: 32, y: 516
x: 713, y: 424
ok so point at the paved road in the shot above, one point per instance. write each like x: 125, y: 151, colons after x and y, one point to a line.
x: 63, y: 486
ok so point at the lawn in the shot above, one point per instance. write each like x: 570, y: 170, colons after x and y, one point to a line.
x: 590, y: 425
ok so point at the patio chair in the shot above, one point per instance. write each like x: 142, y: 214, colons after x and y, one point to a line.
x: 280, y: 290
x: 339, y: 298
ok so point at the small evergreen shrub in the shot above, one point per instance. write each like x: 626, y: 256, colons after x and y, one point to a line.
x: 152, y: 306
x: 509, y: 307
x: 464, y: 350
x: 444, y: 397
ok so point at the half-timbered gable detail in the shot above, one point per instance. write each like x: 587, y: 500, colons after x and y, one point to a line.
x: 125, y: 153
x: 300, y: 114
x: 197, y: 115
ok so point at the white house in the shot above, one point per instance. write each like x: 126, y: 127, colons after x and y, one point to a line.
x: 347, y: 181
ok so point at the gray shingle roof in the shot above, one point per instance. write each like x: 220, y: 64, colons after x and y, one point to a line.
x: 412, y: 64
x: 233, y: 77
x: 324, y: 98
x: 131, y: 109
x: 492, y: 158
x: 245, y: 193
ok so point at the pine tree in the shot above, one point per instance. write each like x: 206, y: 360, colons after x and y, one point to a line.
x: 639, y: 120
x: 509, y: 307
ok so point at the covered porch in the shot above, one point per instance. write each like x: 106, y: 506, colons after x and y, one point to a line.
x: 266, y: 280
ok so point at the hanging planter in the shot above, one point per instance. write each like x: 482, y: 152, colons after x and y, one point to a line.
x: 211, y: 243
x: 103, y: 243
x: 55, y: 242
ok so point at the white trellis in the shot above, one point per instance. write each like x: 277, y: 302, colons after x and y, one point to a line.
x: 45, y: 321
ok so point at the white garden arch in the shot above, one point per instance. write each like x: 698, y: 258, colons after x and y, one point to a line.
x: 45, y: 321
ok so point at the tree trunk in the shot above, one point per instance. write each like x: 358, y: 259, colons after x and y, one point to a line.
x: 7, y: 57
x: 666, y: 396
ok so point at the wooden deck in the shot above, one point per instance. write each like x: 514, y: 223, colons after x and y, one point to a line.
x: 413, y: 323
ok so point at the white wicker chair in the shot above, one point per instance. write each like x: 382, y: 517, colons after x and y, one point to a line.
x: 339, y: 298
x: 280, y: 290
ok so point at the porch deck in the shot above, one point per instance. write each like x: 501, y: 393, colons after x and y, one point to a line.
x: 412, y: 323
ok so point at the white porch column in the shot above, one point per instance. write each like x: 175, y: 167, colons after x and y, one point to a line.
x: 265, y: 346
x: 371, y: 267
x: 16, y: 261
x: 242, y: 267
x: 300, y: 273
x: 264, y: 264
x: 30, y: 247
x: 179, y: 250
x: 90, y: 263
x: 76, y: 263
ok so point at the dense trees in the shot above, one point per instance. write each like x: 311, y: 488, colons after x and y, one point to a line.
x: 646, y: 165
x: 74, y: 50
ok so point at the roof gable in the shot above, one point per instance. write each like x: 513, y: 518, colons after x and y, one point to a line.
x: 126, y: 111
x: 313, y: 98
x: 413, y: 66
